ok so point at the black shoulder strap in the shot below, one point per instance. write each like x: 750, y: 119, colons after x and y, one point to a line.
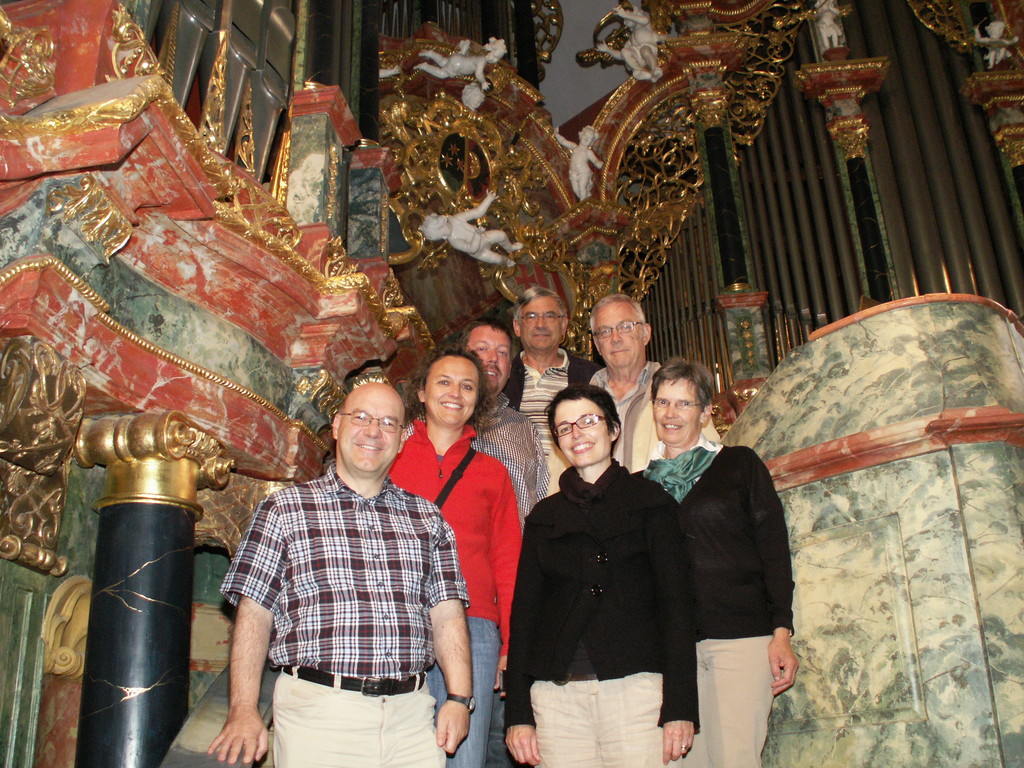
x: 442, y: 497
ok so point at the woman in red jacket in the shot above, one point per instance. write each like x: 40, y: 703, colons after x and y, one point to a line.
x: 446, y: 398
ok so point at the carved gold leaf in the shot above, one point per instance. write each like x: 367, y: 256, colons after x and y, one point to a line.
x: 547, y: 23
x: 946, y: 19
x: 27, y: 62
x: 227, y: 512
x: 87, y: 205
x: 131, y: 56
x: 323, y: 391
x: 211, y: 124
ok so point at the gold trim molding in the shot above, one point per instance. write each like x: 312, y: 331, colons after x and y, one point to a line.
x: 65, y: 627
x: 88, y: 207
x: 42, y: 399
x: 159, y: 458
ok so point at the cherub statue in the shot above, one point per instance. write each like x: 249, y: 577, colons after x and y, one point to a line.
x: 462, y: 62
x: 463, y: 236
x: 828, y: 25
x: 640, y: 53
x: 581, y: 156
x: 993, y: 41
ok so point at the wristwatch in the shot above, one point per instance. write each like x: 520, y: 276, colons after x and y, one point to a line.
x: 467, y: 701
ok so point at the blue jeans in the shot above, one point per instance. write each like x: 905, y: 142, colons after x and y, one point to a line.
x: 485, y: 645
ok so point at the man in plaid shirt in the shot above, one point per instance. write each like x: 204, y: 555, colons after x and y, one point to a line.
x: 353, y: 587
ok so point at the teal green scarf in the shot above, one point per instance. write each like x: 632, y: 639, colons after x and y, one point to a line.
x: 678, y: 475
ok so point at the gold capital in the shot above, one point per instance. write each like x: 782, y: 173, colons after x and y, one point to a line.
x: 851, y: 135
x: 711, y: 106
x: 1010, y: 139
x: 152, y: 457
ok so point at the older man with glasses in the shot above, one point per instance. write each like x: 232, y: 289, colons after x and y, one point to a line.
x: 621, y: 334
x: 543, y: 368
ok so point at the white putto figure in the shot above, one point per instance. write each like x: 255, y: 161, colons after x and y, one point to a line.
x: 828, y: 25
x: 473, y: 240
x: 581, y: 157
x: 462, y: 62
x: 994, y: 42
x: 640, y: 53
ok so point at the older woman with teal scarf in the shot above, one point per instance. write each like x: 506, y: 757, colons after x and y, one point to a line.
x: 739, y: 548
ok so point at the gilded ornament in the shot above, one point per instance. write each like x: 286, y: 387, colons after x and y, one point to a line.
x: 131, y: 56
x: 548, y: 22
x: 87, y: 206
x: 1010, y: 139
x: 42, y: 399
x: 851, y: 135
x: 946, y: 19
x: 152, y: 457
x: 323, y: 391
x: 227, y: 512
x: 282, y: 164
x: 711, y: 107
x: 27, y: 62
x: 332, y: 187
x: 211, y: 123
x: 245, y: 146
x: 65, y: 627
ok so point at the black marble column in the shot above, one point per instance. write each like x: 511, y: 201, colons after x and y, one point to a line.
x: 135, y: 686
x: 724, y: 204
x: 876, y: 266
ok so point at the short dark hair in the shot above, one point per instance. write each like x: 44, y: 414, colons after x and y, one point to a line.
x: 597, y: 395
x: 414, y: 409
x: 497, y: 325
x: 681, y: 369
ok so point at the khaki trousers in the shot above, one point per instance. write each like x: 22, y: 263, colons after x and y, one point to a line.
x: 734, y: 688
x: 599, y: 724
x: 320, y: 727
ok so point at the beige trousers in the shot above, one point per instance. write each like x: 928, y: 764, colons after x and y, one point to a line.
x: 320, y: 727
x: 599, y: 724
x: 734, y: 688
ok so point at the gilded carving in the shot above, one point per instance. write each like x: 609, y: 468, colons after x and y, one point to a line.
x: 162, y: 457
x: 211, y: 124
x: 131, y: 56
x: 548, y: 22
x: 87, y: 206
x: 946, y: 19
x: 646, y: 246
x: 245, y: 146
x: 227, y: 512
x: 41, y: 404
x: 851, y: 135
x: 1010, y: 139
x: 333, y: 162
x: 323, y: 391
x: 65, y: 626
x: 711, y: 106
x: 27, y: 62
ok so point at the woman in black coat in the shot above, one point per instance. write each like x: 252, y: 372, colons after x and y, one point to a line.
x: 601, y: 651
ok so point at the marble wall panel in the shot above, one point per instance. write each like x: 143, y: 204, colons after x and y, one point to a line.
x: 367, y: 214
x: 891, y: 367
x: 309, y: 192
x: 858, y: 538
x: 990, y: 478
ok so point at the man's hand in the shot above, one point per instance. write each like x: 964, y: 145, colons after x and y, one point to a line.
x: 782, y: 660
x: 452, y: 725
x: 676, y: 740
x: 521, y: 741
x: 243, y: 734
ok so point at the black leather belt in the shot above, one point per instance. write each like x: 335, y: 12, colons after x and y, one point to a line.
x: 576, y: 678
x: 368, y: 686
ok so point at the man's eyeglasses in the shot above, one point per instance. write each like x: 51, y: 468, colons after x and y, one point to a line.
x: 363, y: 420
x: 586, y: 421
x: 626, y: 326
x: 532, y: 317
x: 662, y: 403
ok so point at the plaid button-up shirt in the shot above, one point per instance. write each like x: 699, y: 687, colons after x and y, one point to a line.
x: 350, y: 581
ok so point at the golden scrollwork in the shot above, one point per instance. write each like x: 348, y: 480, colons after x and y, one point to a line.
x: 323, y: 391
x: 661, y: 163
x: 547, y: 22
x: 282, y: 163
x: 227, y: 512
x: 331, y: 208
x: 131, y: 56
x: 27, y: 62
x: 87, y: 206
x: 211, y: 123
x: 152, y: 457
x: 851, y: 135
x: 646, y: 246
x: 41, y: 404
x: 65, y: 627
x: 771, y: 37
x: 245, y: 147
x: 450, y: 157
x: 946, y: 19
